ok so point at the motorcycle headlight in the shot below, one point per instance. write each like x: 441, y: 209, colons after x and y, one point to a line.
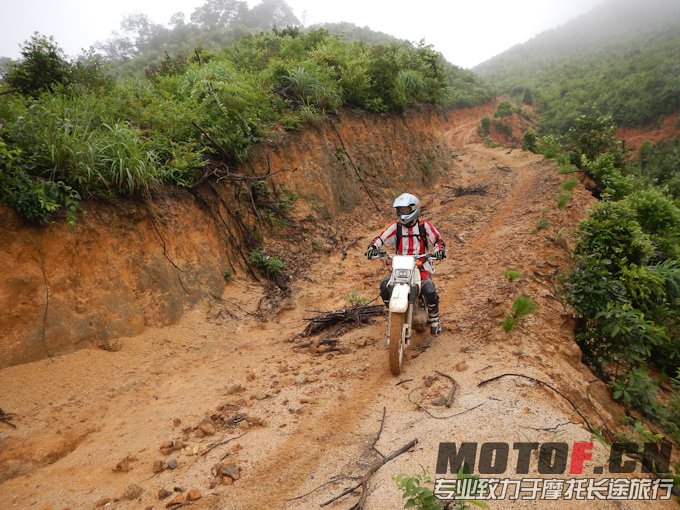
x: 403, y: 273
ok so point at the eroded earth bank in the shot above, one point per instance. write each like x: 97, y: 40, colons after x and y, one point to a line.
x: 203, y: 380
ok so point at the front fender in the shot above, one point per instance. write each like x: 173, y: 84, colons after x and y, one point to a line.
x: 399, y: 298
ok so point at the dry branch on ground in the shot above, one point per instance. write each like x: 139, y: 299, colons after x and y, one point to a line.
x: 345, y: 318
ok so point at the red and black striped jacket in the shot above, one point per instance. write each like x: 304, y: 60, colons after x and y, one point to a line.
x: 414, y: 240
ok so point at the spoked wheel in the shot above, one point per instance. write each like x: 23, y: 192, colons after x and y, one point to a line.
x: 396, y: 343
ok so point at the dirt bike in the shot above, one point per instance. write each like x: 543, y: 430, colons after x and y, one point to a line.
x: 407, y: 307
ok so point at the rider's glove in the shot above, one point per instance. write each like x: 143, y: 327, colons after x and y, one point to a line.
x: 439, y: 254
x: 371, y: 252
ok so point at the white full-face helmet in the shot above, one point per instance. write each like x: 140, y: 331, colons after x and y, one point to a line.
x: 407, y: 207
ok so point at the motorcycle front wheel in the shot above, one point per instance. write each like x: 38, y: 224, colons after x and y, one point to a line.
x: 396, y: 343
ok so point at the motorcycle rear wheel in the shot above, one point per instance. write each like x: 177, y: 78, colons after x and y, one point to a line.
x: 396, y: 343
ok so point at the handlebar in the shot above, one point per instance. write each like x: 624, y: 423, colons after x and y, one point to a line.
x: 390, y: 256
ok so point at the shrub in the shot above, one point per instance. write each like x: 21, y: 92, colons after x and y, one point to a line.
x: 612, y: 235
x: 103, y: 138
x: 502, y: 128
x: 36, y: 199
x: 549, y: 145
x: 504, y: 109
x: 383, y: 69
x: 42, y: 67
x: 629, y: 335
x: 233, y: 109
x: 659, y: 217
x: 484, y: 127
x: 590, y: 136
x: 607, y: 173
x: 416, y: 492
x: 70, y: 139
x: 591, y: 288
x: 311, y: 85
x: 269, y: 265
x: 660, y: 164
x: 530, y: 141
x: 645, y: 286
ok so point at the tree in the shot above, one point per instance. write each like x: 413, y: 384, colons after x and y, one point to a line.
x: 591, y: 135
x: 119, y: 47
x: 177, y: 20
x: 271, y: 13
x: 42, y: 66
x: 218, y: 13
x: 139, y: 34
x: 141, y: 30
x: 4, y: 63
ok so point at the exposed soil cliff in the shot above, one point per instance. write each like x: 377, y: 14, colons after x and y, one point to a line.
x: 128, y: 265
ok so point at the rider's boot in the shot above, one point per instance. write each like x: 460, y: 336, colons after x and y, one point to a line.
x: 433, y: 319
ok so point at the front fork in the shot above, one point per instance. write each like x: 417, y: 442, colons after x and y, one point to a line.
x: 409, y: 322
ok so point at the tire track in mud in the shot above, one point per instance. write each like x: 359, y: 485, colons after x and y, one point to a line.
x: 278, y: 479
x: 283, y: 474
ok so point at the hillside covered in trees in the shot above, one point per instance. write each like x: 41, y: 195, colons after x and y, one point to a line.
x: 168, y: 104
x: 616, y: 66
x: 620, y: 59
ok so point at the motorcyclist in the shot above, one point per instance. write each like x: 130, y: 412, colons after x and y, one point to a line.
x: 411, y: 236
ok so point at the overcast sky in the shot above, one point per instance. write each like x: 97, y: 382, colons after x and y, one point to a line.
x: 467, y: 32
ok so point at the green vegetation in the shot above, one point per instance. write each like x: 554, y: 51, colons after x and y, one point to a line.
x: 504, y: 109
x: 563, y: 199
x: 512, y: 274
x: 521, y: 306
x: 484, y: 127
x: 569, y: 184
x: 625, y: 288
x: 355, y: 299
x: 620, y: 59
x: 660, y: 164
x: 541, y: 224
x: 417, y: 493
x: 268, y: 265
x: 529, y: 141
x: 68, y: 131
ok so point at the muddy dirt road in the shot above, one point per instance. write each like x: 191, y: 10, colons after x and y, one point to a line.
x: 290, y: 417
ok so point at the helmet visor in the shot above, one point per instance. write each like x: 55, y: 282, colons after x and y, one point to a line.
x: 404, y: 210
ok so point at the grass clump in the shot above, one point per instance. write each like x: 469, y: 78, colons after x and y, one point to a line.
x: 523, y: 305
x: 512, y: 274
x: 563, y: 199
x: 569, y: 184
x: 355, y: 299
x: 541, y: 224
